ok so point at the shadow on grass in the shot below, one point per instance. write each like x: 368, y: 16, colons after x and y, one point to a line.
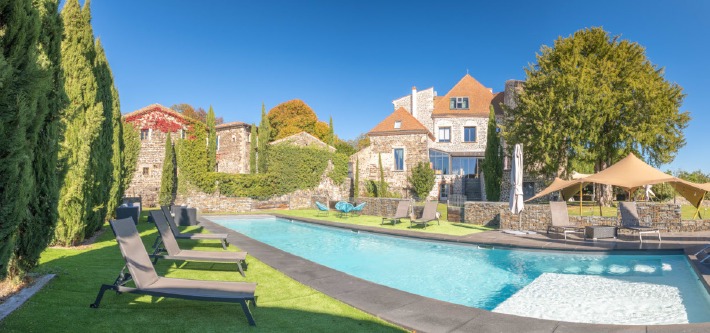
x: 284, y: 305
x: 472, y: 226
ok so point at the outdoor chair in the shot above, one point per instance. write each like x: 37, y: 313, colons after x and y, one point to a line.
x: 703, y: 255
x: 175, y: 253
x: 401, y: 213
x: 560, y: 220
x: 193, y: 236
x: 147, y: 281
x: 322, y: 209
x: 630, y: 220
x: 357, y: 210
x: 344, y: 208
x: 428, y: 215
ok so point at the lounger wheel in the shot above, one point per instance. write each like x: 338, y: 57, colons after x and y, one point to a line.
x: 93, y: 305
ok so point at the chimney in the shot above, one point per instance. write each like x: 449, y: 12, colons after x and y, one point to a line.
x: 414, y: 101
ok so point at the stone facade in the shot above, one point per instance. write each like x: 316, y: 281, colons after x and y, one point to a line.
x: 415, y: 151
x: 457, y: 144
x: 304, y: 139
x: 424, y: 102
x: 234, y: 147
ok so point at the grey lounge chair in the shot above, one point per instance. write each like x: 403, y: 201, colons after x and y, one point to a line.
x: 428, y: 215
x: 560, y: 220
x: 401, y: 213
x: 175, y: 253
x: 630, y: 220
x: 193, y: 236
x: 147, y: 281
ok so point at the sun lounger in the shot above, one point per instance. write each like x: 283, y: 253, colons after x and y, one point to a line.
x: 322, y: 209
x: 630, y: 220
x: 175, y: 253
x: 428, y: 215
x: 193, y: 236
x: 401, y: 213
x: 147, y: 281
x: 560, y: 220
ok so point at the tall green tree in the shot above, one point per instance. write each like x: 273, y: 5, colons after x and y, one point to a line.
x: 493, y: 162
x: 593, y: 98
x: 382, y: 188
x: 331, y: 133
x: 211, y: 140
x: 167, y: 181
x: 36, y: 229
x: 263, y: 140
x: 422, y: 180
x: 82, y: 121
x: 252, y: 149
x: 21, y: 82
x: 131, y: 143
x: 112, y: 132
x: 356, y: 191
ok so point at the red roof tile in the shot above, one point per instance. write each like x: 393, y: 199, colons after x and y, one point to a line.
x: 408, y: 125
x: 479, y: 99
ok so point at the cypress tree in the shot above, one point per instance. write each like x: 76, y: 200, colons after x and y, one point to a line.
x: 331, y: 135
x: 252, y: 149
x: 111, y: 133
x: 263, y: 143
x: 167, y: 181
x: 22, y: 81
x: 37, y: 228
x: 211, y: 140
x: 131, y: 143
x: 357, y: 178
x: 493, y: 162
x: 381, y: 191
x: 82, y: 121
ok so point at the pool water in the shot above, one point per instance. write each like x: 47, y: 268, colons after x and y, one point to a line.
x: 580, y: 287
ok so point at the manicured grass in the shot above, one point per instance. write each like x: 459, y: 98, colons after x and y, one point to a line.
x: 284, y: 305
x: 447, y: 228
x: 687, y: 212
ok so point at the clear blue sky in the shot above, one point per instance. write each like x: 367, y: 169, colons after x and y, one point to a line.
x: 349, y: 60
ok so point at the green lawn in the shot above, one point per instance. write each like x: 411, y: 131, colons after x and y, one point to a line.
x: 284, y: 305
x: 447, y: 228
x: 687, y: 212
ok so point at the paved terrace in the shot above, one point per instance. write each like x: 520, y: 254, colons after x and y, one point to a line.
x: 423, y: 314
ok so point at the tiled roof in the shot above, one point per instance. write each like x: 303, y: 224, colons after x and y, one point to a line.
x: 479, y: 99
x: 408, y: 125
x: 154, y: 107
x: 231, y: 124
x: 497, y: 102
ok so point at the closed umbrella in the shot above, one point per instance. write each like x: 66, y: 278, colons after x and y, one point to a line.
x: 516, y: 181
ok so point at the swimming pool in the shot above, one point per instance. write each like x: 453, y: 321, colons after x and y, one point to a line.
x: 580, y: 287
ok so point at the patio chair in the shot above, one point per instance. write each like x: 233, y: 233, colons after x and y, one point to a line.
x: 357, y: 210
x: 630, y: 220
x: 703, y: 255
x: 401, y: 213
x: 193, y: 236
x: 322, y: 209
x: 428, y: 215
x: 560, y: 220
x: 147, y: 281
x: 344, y: 208
x: 175, y: 253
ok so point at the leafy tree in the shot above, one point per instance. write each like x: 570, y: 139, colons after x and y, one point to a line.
x: 82, y: 121
x: 344, y: 147
x: 493, y: 162
x: 211, y: 140
x: 422, y: 180
x: 595, y: 98
x: 263, y: 141
x: 22, y: 83
x: 131, y: 148
x: 360, y: 142
x: 167, y: 181
x: 252, y: 149
x: 331, y: 134
x: 290, y: 118
x: 188, y: 111
x: 356, y: 191
x: 321, y: 131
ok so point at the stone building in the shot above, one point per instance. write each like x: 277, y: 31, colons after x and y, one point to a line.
x: 304, y: 139
x: 456, y: 125
x: 154, y: 122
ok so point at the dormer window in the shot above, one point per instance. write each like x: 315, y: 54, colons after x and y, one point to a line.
x: 397, y: 124
x: 458, y: 103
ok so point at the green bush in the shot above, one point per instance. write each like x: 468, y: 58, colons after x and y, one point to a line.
x: 422, y: 180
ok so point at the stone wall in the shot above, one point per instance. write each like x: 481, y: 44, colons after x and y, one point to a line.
x: 415, y: 151
x: 149, y: 169
x: 457, y: 144
x: 483, y: 213
x: 425, y: 106
x: 234, y: 147
x: 538, y: 184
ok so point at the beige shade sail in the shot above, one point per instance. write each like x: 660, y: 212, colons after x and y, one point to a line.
x: 630, y: 173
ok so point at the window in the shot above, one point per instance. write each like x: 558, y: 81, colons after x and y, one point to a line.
x: 397, y: 124
x: 458, y: 103
x: 146, y: 171
x: 399, y: 159
x: 465, y: 166
x: 182, y: 133
x: 218, y: 142
x: 444, y: 134
x: 439, y: 162
x: 216, y: 167
x: 469, y: 134
x: 145, y: 133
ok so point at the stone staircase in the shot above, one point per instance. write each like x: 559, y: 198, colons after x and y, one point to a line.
x: 472, y: 189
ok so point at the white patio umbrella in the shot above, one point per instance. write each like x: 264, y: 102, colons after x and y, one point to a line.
x: 516, y: 181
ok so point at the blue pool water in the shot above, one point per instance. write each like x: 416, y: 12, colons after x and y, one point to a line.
x: 468, y: 275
